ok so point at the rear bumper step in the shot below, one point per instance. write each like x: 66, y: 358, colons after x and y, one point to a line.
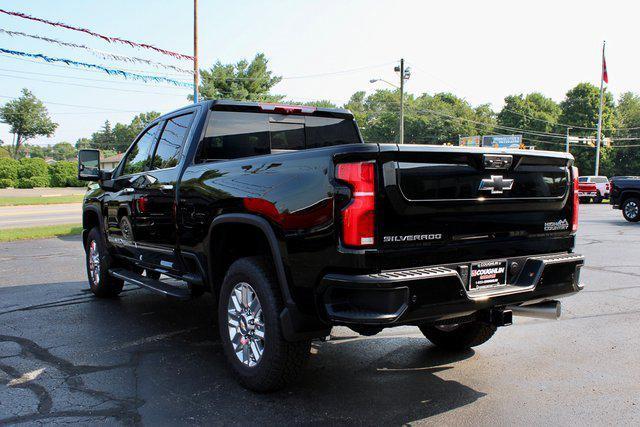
x: 437, y: 292
x: 151, y: 284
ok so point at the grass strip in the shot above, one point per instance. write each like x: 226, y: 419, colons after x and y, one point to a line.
x: 11, y: 234
x: 39, y: 200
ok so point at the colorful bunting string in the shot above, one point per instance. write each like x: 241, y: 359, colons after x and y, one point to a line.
x: 110, y: 71
x: 102, y: 36
x: 100, y: 53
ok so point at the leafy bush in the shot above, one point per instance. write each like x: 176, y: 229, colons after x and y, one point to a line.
x: 6, y: 182
x: 33, y: 182
x: 9, y: 169
x: 64, y: 174
x: 29, y: 168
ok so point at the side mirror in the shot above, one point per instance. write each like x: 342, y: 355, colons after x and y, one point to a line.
x: 89, y: 165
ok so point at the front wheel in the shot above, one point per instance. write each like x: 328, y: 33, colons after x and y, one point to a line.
x: 460, y: 336
x: 248, y: 315
x: 98, y: 261
x: 631, y: 209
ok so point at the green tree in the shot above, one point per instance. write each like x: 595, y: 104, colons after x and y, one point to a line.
x: 580, y: 108
x: 534, y: 112
x: 241, y: 81
x: 626, y: 160
x: 28, y: 117
x: 63, y: 151
x: 104, y: 138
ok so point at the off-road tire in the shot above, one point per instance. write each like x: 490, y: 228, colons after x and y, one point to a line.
x: 106, y: 286
x: 464, y: 336
x: 282, y: 360
x: 626, y: 211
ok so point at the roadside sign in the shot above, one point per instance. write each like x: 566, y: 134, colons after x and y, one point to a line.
x: 502, y: 141
x: 469, y: 141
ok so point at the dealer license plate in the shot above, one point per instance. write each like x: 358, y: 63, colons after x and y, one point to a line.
x: 488, y: 274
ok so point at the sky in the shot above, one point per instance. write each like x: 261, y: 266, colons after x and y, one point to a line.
x: 479, y: 50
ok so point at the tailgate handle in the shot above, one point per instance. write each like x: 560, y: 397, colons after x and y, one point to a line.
x: 497, y: 161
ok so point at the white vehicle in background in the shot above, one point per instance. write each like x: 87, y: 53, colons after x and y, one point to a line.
x: 603, y: 187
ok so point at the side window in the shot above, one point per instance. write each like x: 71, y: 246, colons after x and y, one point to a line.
x: 169, y: 146
x: 138, y: 158
x: 287, y: 136
x: 583, y: 179
x: 231, y: 135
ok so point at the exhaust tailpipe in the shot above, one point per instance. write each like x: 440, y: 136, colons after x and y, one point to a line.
x: 541, y: 310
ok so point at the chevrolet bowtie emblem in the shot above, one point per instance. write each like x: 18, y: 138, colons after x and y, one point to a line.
x: 496, y: 184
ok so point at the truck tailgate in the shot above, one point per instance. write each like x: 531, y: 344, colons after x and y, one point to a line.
x: 432, y: 195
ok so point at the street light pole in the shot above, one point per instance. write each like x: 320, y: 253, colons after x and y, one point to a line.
x: 195, y: 51
x: 568, y: 128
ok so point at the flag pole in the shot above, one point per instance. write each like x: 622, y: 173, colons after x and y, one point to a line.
x: 195, y: 51
x: 599, y: 137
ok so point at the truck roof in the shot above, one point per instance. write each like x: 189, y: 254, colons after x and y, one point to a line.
x: 266, y: 107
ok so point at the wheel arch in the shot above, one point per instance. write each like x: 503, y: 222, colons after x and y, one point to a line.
x: 626, y: 194
x: 91, y: 217
x: 232, y: 236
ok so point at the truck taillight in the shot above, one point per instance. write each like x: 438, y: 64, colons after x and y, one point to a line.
x: 358, y: 217
x: 576, y: 200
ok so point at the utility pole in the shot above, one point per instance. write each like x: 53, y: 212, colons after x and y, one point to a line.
x: 195, y: 51
x: 404, y: 75
x: 568, y: 129
x: 599, y: 137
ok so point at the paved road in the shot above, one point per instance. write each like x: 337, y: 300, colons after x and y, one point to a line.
x: 40, y: 215
x: 140, y: 359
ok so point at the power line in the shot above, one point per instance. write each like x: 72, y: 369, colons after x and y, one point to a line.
x: 77, y: 106
x: 87, y: 79
x: 91, y: 86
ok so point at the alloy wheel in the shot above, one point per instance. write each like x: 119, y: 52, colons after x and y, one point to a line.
x: 246, y: 324
x: 631, y: 209
x: 94, y: 262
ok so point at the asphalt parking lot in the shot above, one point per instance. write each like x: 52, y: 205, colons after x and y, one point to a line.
x: 67, y: 357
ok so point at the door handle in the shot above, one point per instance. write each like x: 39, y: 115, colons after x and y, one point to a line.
x: 127, y: 190
x: 166, y: 187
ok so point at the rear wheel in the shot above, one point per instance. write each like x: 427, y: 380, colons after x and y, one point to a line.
x: 98, y: 261
x: 631, y: 209
x: 598, y: 198
x: 459, y: 336
x: 248, y: 316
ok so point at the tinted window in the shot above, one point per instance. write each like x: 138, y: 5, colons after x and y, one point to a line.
x: 583, y: 179
x: 287, y: 136
x: 324, y: 132
x: 232, y: 135
x: 138, y: 158
x: 173, y: 136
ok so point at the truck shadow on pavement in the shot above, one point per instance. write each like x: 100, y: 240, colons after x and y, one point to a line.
x: 141, y: 358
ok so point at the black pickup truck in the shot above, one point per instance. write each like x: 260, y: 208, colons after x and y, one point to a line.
x: 625, y: 195
x: 296, y: 225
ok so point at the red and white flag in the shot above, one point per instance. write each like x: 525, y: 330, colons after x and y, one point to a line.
x: 605, y: 76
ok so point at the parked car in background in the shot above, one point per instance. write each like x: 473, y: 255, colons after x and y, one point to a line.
x: 602, y: 188
x: 625, y: 195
